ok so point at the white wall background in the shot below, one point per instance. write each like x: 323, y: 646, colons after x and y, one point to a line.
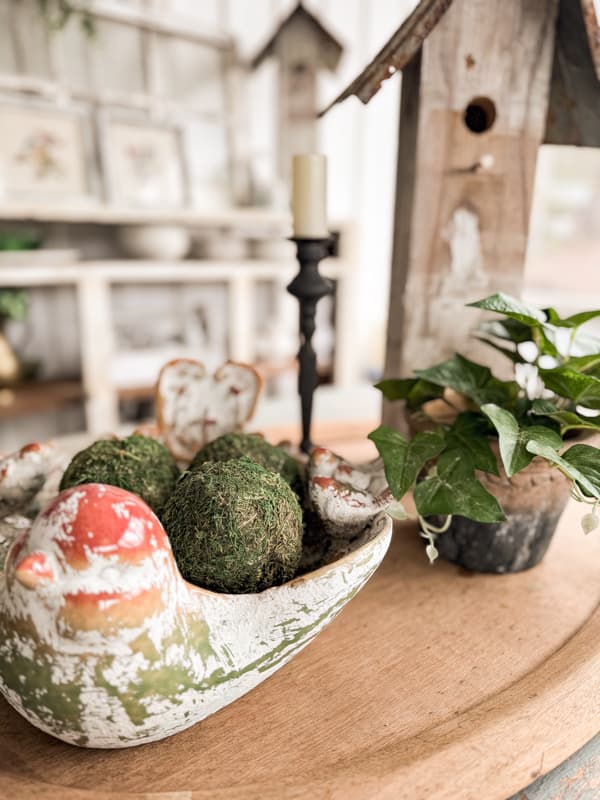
x: 360, y: 142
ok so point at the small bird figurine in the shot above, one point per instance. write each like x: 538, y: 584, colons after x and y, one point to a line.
x: 104, y: 644
x: 26, y: 473
x: 347, y: 497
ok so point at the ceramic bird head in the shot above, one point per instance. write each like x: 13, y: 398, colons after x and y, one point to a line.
x: 347, y: 497
x: 95, y: 559
x: 27, y: 472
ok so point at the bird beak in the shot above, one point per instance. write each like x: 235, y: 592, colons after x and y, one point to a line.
x: 33, y: 569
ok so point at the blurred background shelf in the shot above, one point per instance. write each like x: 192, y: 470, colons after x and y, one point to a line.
x: 82, y: 213
x: 37, y: 397
x: 121, y: 319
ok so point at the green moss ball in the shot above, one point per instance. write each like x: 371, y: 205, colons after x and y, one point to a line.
x: 257, y: 449
x: 234, y: 527
x: 138, y: 464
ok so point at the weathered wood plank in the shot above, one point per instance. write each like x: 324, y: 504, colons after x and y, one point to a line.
x: 396, y: 53
x: 590, y: 12
x: 574, y: 107
x: 462, y: 213
x: 405, y: 193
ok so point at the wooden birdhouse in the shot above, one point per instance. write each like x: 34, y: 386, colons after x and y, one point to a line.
x: 485, y: 83
x: 302, y: 47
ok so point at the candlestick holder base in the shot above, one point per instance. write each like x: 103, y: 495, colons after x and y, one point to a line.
x: 309, y: 286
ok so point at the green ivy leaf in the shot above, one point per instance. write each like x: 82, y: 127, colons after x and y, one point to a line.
x: 471, y: 380
x: 509, y: 329
x: 570, y: 421
x: 581, y: 389
x: 542, y: 408
x: 513, y: 439
x: 574, y: 321
x: 545, y: 338
x: 404, y: 459
x: 586, y: 460
x: 415, y: 391
x: 422, y: 392
x: 395, y: 388
x: 454, y: 489
x: 569, y: 467
x: 469, y: 433
x: 513, y: 355
x: 587, y: 364
x: 511, y: 307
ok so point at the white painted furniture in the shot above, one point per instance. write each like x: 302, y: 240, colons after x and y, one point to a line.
x: 93, y: 281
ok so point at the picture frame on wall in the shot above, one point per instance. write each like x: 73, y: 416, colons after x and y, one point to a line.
x: 142, y: 163
x: 46, y: 155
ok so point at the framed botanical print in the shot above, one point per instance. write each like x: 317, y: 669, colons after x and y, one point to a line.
x: 45, y: 155
x: 142, y: 164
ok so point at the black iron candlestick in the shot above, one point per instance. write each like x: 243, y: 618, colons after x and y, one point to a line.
x: 309, y: 286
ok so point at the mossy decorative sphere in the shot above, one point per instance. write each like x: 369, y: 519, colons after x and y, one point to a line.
x: 139, y: 464
x: 250, y: 445
x: 234, y: 527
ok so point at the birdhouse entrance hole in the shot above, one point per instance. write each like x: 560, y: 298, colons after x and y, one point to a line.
x: 480, y: 114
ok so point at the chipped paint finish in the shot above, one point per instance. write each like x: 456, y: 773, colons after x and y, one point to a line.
x: 10, y: 527
x: 25, y: 473
x: 578, y: 778
x: 194, y: 407
x: 103, y: 644
x: 347, y: 497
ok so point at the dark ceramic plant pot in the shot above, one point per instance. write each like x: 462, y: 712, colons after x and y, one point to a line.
x: 533, y: 501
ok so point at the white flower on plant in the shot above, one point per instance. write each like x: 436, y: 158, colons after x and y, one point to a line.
x: 561, y: 338
x: 528, y: 378
x: 528, y: 351
x: 547, y: 362
x: 583, y: 411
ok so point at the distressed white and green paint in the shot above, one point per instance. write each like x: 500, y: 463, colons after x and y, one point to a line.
x: 192, y: 652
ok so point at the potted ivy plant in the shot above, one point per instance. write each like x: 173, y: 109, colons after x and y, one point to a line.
x: 492, y: 462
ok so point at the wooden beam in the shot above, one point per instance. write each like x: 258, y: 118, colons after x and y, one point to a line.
x: 574, y: 107
x: 464, y: 194
x: 405, y: 192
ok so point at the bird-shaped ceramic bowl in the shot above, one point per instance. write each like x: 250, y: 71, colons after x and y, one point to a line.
x: 104, y: 644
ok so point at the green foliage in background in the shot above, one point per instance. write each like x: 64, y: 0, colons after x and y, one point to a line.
x: 13, y: 304
x: 20, y: 240
x: 57, y: 14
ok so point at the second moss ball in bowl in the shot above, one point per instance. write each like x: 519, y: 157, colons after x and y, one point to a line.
x: 257, y: 449
x: 234, y: 527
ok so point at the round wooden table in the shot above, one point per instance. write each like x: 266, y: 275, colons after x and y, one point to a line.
x: 432, y: 683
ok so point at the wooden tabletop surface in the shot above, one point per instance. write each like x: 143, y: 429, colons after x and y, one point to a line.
x: 432, y: 683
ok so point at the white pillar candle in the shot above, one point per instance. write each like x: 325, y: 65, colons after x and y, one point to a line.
x: 309, y: 195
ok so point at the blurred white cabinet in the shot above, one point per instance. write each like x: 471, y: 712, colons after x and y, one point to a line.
x: 95, y: 281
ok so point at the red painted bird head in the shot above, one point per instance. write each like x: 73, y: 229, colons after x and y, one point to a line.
x: 96, y: 555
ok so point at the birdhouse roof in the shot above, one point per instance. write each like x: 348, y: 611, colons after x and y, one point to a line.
x: 330, y: 49
x: 398, y: 51
x: 592, y: 26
